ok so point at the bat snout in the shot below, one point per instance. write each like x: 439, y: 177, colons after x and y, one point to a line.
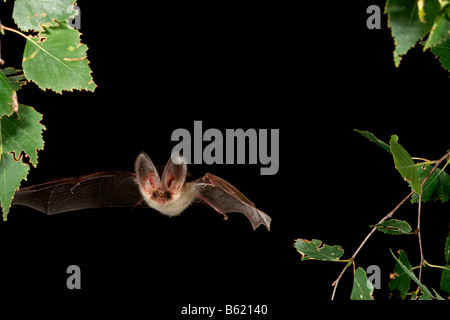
x: 161, y: 201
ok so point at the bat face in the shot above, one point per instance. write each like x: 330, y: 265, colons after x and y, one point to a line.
x: 169, y: 194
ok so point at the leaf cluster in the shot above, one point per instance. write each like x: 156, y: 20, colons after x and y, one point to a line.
x: 436, y: 187
x: 419, y: 21
x: 404, y: 273
x: 20, y: 134
x: 401, y: 277
x: 427, y: 182
x: 54, y: 58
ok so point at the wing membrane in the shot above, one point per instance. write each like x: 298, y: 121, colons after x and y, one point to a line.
x: 98, y: 190
x: 224, y: 197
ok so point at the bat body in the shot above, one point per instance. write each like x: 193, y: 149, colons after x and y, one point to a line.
x: 166, y: 191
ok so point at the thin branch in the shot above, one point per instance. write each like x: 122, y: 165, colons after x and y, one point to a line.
x: 389, y: 215
x: 336, y: 282
x: 420, y: 237
x: 436, y: 164
x: 1, y: 32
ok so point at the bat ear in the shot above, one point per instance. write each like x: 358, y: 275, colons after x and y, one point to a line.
x: 175, y: 172
x: 146, y: 173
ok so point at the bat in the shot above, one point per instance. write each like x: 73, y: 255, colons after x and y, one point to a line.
x: 163, y: 189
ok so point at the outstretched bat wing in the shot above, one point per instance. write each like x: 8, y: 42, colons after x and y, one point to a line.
x: 98, y: 190
x: 224, y: 198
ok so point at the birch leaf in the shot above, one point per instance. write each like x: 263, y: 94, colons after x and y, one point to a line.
x: 36, y: 14
x: 57, y: 60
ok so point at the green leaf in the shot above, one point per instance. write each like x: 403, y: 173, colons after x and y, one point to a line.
x: 440, y: 31
x: 437, y: 186
x: 15, y: 77
x: 57, y: 60
x: 6, y: 96
x: 36, y: 14
x: 401, y: 281
x: 426, y: 293
x: 445, y: 280
x: 442, y: 50
x: 426, y: 296
x: 431, y: 186
x: 438, y: 297
x: 405, y: 24
x: 315, y: 250
x: 444, y: 187
x: 405, y: 164
x: 23, y: 132
x: 371, y: 137
x: 394, y: 226
x: 362, y: 288
x: 11, y: 173
x: 10, y: 83
x: 20, y: 132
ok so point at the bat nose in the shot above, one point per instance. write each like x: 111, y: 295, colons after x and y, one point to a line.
x: 161, y: 201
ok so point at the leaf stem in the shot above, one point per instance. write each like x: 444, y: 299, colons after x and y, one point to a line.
x: 422, y: 259
x: 15, y: 31
x: 426, y: 160
x: 426, y: 263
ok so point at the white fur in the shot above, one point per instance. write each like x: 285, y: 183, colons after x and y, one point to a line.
x: 177, y: 203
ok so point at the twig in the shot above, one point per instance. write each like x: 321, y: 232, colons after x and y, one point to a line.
x: 437, y: 163
x: 420, y: 237
x: 336, y: 282
x: 1, y: 32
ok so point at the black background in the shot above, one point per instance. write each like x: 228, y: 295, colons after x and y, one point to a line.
x: 313, y: 71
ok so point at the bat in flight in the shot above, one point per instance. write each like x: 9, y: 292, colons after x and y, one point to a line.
x: 163, y: 189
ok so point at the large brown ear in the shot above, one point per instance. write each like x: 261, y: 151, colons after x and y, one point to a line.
x: 146, y: 173
x: 175, y: 172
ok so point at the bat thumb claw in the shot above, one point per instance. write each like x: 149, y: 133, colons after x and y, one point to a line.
x: 225, y: 216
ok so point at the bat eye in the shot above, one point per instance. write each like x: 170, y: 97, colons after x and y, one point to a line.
x: 168, y: 195
x: 154, y: 194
